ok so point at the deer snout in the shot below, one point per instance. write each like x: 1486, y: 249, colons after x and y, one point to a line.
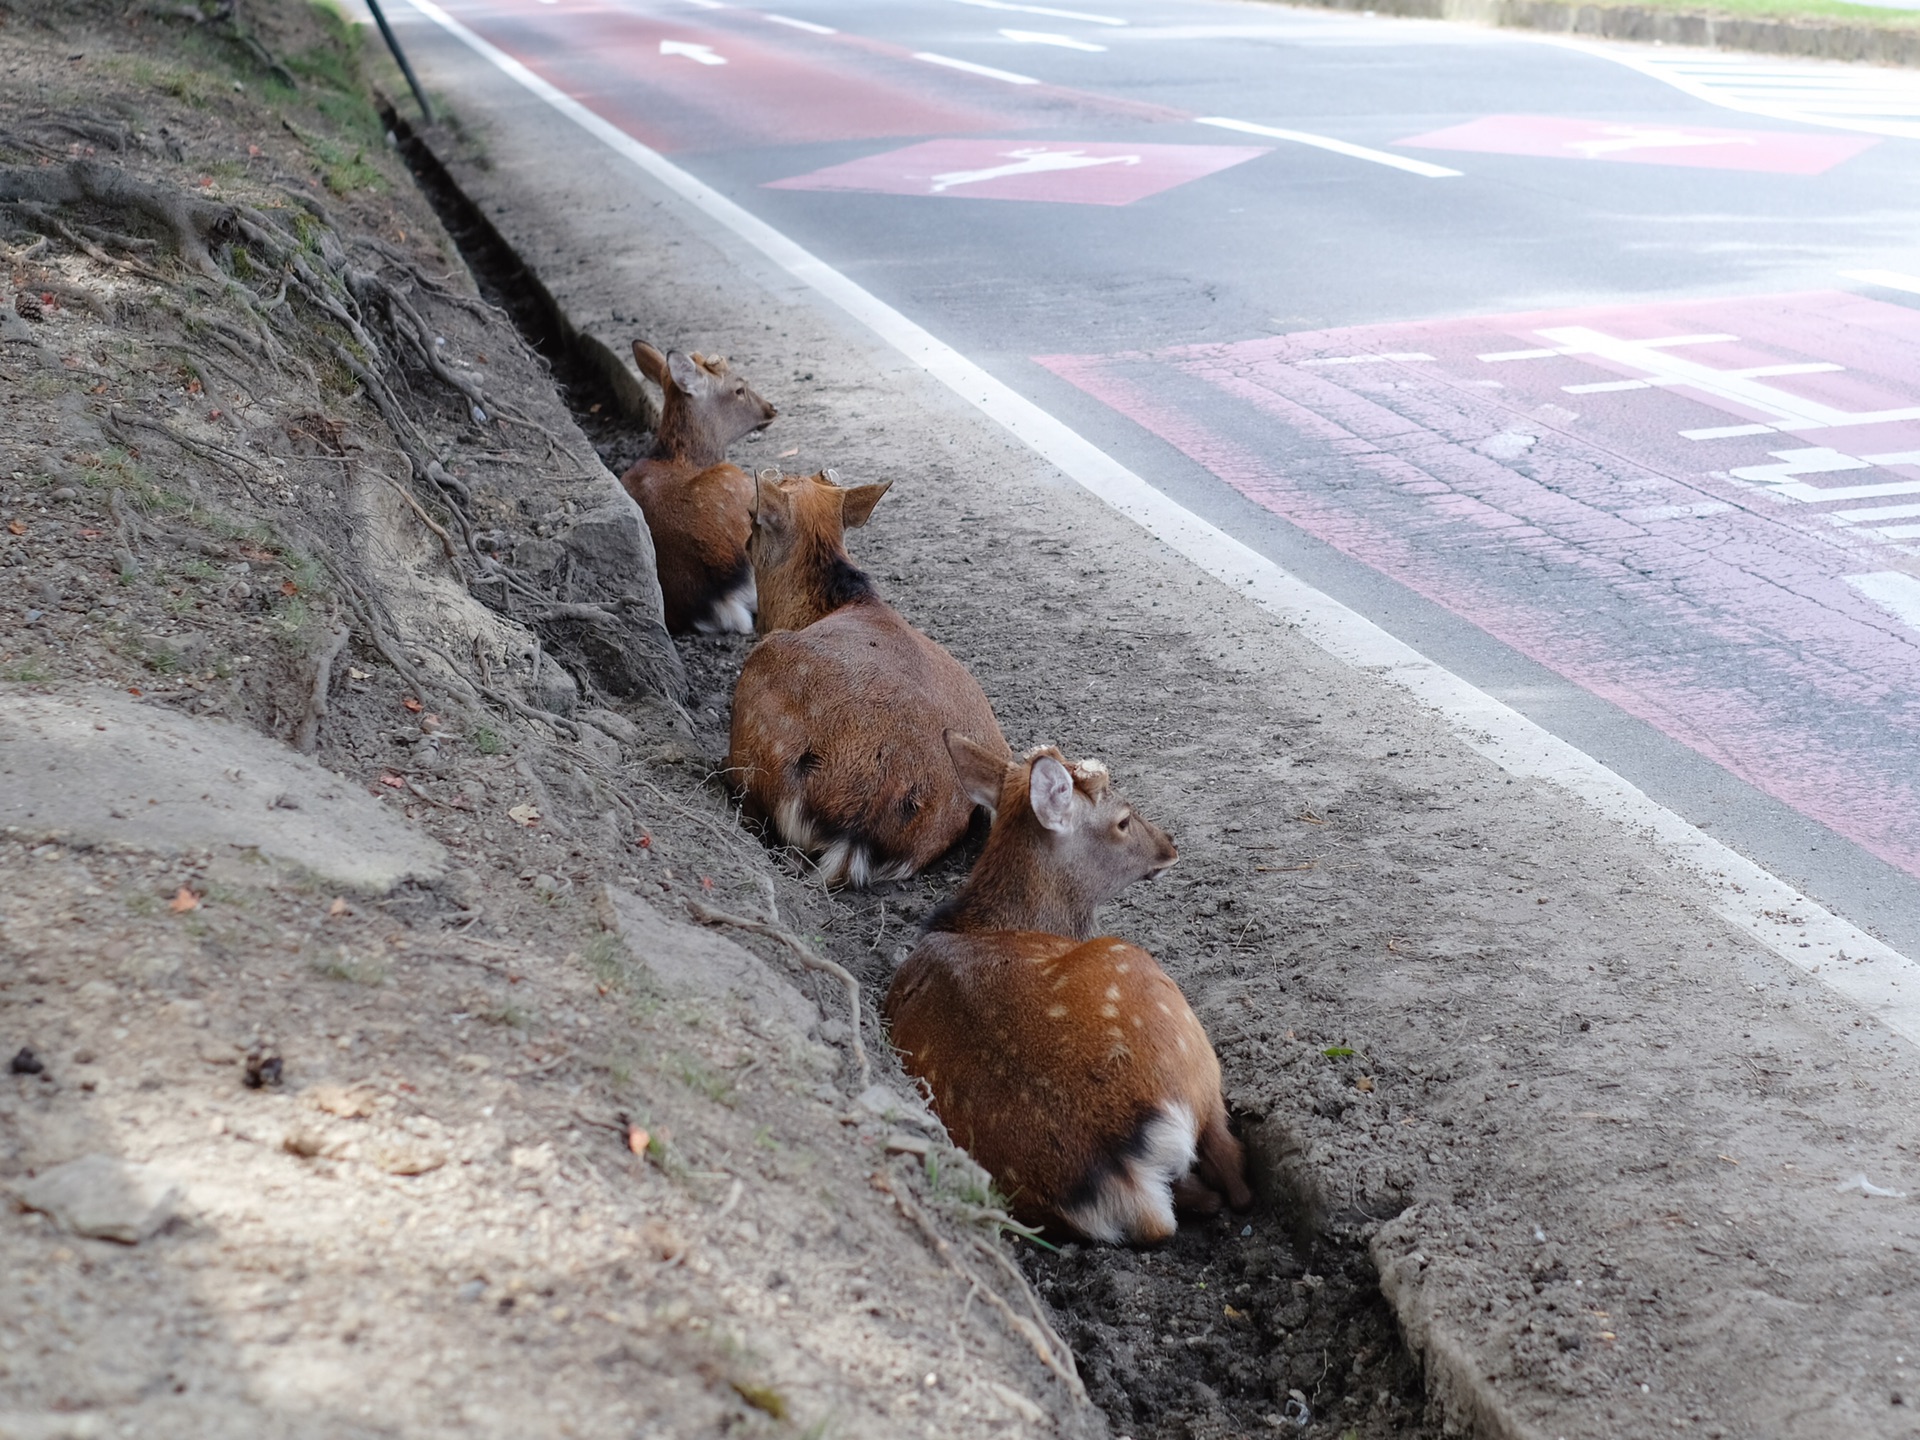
x: 1164, y: 856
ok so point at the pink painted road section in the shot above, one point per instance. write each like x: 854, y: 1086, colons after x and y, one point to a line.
x: 770, y: 90
x: 1783, y: 152
x: 1062, y: 172
x: 1706, y: 512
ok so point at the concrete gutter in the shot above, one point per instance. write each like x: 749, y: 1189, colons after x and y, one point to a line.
x: 1812, y: 38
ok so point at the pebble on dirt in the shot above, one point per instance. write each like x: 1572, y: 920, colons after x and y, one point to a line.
x: 264, y: 1068
x: 26, y: 1063
x: 102, y: 1198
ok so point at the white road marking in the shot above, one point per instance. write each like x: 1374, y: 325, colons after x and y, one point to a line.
x: 699, y: 54
x: 1063, y: 42
x: 1885, y: 279
x: 806, y: 25
x: 1624, y: 139
x: 1893, y: 591
x: 1774, y: 914
x: 973, y: 69
x: 1876, y: 512
x: 1869, y: 99
x: 1338, y: 147
x: 1725, y: 432
x: 1033, y: 161
x: 1043, y: 10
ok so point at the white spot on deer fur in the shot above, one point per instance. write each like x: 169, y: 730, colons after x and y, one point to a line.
x: 1113, y: 992
x: 1123, y: 967
x: 1063, y: 982
x: 1163, y: 1007
x: 1138, y: 1023
x: 1108, y: 1012
x: 1055, y: 1012
x: 1135, y: 1206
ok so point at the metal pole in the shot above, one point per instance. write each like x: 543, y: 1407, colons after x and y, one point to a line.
x: 400, y: 57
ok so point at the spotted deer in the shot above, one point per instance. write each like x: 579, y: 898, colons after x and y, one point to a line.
x: 1071, y: 1067
x: 838, y: 714
x: 695, y: 503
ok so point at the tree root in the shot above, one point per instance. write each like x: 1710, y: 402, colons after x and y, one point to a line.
x: 307, y: 733
x: 1054, y: 1353
x: 707, y: 915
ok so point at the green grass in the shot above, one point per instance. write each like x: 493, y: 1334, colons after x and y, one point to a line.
x: 699, y: 1078
x: 487, y: 740
x: 26, y: 672
x: 1868, y: 15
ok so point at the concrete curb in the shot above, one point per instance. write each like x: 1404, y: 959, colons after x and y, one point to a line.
x: 1814, y: 39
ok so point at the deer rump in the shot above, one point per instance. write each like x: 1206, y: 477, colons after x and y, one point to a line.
x: 700, y: 522
x: 1075, y: 1072
x: 837, y: 743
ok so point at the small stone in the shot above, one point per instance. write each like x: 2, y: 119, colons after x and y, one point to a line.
x: 83, y: 1057
x: 66, y: 492
x: 26, y: 1063
x: 264, y: 1068
x: 103, y: 1198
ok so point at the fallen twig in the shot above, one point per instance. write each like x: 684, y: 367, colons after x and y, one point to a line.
x: 307, y: 733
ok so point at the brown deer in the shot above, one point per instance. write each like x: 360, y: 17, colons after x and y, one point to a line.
x: 695, y: 503
x: 1071, y: 1068
x: 838, y: 714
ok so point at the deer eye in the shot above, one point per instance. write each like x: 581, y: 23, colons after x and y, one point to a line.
x: 1125, y: 821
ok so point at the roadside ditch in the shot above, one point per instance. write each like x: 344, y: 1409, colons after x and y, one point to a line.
x: 1263, y: 1323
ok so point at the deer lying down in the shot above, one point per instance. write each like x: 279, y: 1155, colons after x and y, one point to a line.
x: 1071, y: 1068
x: 696, y: 505
x: 838, y: 714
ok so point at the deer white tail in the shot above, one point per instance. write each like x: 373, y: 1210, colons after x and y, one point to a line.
x: 1129, y: 1201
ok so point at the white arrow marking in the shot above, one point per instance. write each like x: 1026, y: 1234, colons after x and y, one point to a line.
x: 1029, y: 162
x: 699, y: 54
x: 1042, y: 37
x: 1618, y: 138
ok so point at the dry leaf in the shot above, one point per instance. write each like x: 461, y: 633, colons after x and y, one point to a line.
x: 288, y: 588
x: 1364, y: 1084
x: 638, y: 1140
x: 338, y: 907
x: 184, y: 901
x: 16, y: 527
x: 394, y: 780
x: 413, y: 704
x: 354, y: 673
x: 524, y: 814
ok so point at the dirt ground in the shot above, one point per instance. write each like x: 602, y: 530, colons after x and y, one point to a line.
x: 1496, y: 1061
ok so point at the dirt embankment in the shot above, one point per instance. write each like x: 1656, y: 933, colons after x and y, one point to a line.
x: 354, y: 831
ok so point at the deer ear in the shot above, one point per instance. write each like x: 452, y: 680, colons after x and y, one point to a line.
x: 981, y: 771
x: 857, y: 502
x: 688, y: 378
x: 1050, y: 789
x: 652, y: 363
x: 768, y: 502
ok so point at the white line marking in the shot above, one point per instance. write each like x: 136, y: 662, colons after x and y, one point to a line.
x: 1875, y: 512
x: 806, y: 25
x: 1496, y: 357
x: 973, y: 69
x: 1894, y: 591
x: 1773, y: 913
x: 1063, y: 42
x: 1043, y: 10
x: 1338, y: 147
x: 1726, y: 432
x: 1885, y: 279
x: 699, y: 54
x: 1605, y: 387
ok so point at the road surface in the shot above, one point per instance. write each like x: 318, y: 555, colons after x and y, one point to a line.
x: 1593, y: 373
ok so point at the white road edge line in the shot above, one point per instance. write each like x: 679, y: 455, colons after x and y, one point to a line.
x: 1327, y: 142
x: 1043, y: 10
x: 973, y: 69
x: 1842, y: 956
x: 1885, y: 279
x: 806, y: 25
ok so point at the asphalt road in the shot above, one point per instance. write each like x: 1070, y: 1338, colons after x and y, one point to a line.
x: 1591, y: 372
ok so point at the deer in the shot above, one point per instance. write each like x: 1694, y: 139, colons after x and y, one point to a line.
x: 695, y: 503
x: 1068, y: 1064
x: 835, y: 746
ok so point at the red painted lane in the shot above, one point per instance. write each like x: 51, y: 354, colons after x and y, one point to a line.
x: 772, y: 93
x: 1063, y: 172
x: 1634, y: 142
x: 1731, y: 590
